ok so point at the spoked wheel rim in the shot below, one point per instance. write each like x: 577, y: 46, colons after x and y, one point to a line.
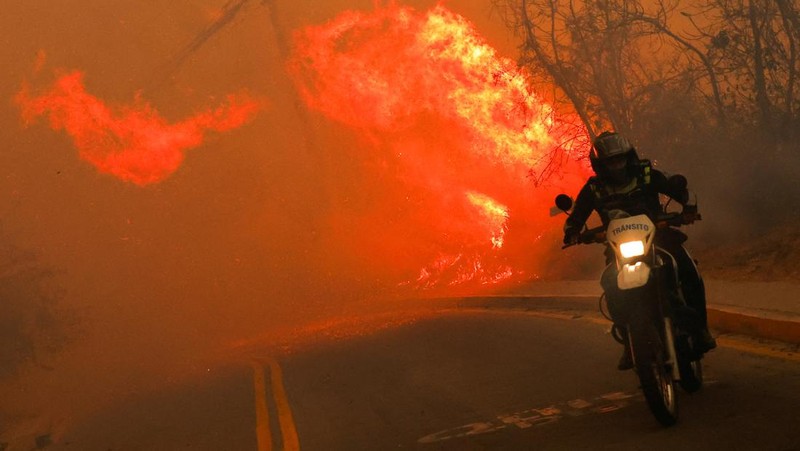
x: 656, y: 378
x: 667, y: 388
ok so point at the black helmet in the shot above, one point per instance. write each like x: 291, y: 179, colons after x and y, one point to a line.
x: 613, y: 157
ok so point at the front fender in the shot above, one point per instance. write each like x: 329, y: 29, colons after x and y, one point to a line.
x: 633, y: 275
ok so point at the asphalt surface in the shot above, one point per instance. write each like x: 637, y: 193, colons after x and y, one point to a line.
x: 469, y: 380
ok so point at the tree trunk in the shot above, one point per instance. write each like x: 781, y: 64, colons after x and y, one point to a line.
x: 555, y: 71
x: 759, y: 79
x: 792, y: 28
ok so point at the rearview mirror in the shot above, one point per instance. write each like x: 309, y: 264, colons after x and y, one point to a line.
x: 564, y: 202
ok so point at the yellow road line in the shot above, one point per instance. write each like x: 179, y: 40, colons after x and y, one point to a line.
x: 285, y: 419
x: 758, y: 349
x: 263, y: 433
x: 746, y: 346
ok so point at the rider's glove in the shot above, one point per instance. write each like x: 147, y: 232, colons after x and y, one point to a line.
x: 571, y: 237
x: 690, y: 214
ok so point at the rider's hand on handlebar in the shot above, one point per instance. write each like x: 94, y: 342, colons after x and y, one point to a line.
x: 571, y: 238
x: 689, y: 214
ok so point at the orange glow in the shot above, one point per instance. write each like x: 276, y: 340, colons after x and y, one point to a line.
x: 457, y: 143
x: 452, y: 270
x: 133, y: 143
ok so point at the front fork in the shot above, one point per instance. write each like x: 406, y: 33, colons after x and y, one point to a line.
x: 665, y: 310
x: 659, y: 316
x: 670, y: 343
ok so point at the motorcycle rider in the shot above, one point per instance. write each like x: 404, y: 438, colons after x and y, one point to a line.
x: 622, y: 181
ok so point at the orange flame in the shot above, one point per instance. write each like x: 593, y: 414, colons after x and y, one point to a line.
x: 134, y: 143
x: 494, y: 214
x: 455, y: 131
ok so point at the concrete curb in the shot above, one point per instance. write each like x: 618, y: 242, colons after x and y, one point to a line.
x: 753, y: 323
x: 725, y: 320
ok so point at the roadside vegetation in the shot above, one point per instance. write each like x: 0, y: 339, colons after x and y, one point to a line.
x: 709, y: 87
x: 32, y: 326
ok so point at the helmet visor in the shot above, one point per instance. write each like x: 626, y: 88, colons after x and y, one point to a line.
x: 611, y: 145
x: 616, y: 163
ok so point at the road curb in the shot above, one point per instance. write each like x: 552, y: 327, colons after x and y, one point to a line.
x: 719, y: 318
x: 787, y: 331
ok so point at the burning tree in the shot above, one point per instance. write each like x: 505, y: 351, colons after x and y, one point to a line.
x: 455, y: 134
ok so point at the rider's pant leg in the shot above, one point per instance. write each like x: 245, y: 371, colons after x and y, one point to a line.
x: 694, y: 290
x: 613, y: 294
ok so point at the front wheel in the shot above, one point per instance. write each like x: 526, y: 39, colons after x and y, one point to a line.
x: 654, y: 374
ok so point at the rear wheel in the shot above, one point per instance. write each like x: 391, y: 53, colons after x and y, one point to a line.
x: 654, y: 374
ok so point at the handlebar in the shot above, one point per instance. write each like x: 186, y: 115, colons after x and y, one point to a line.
x: 676, y: 219
x: 598, y: 234
x: 594, y: 235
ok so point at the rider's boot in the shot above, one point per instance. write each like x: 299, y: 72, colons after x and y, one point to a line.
x: 626, y: 361
x: 705, y: 342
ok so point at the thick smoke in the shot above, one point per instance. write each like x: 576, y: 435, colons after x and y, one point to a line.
x: 288, y: 221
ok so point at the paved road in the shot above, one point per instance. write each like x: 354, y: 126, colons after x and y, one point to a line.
x: 463, y: 381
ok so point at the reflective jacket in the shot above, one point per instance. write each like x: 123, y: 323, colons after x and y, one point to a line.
x: 639, y: 196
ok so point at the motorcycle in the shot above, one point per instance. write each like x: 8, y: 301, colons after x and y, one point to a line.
x: 650, y: 313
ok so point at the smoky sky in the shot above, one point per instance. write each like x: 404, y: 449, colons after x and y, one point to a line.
x: 158, y: 280
x: 232, y: 243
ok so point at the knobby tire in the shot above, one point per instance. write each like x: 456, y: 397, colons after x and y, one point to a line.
x: 656, y: 379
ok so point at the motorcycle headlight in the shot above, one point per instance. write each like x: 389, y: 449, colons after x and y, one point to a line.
x: 631, y: 249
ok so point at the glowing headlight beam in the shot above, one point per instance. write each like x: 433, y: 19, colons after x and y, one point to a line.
x: 631, y: 249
